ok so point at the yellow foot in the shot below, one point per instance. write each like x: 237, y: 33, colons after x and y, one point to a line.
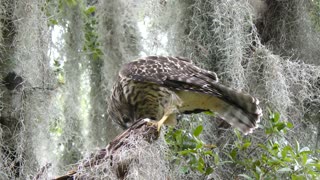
x: 162, y: 120
x: 153, y: 123
x: 159, y: 123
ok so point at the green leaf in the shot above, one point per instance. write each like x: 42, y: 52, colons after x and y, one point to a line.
x: 209, y: 170
x: 246, y: 145
x: 178, y: 136
x: 269, y: 131
x: 200, y: 166
x: 304, y: 158
x: 289, y: 125
x: 210, y: 153
x: 199, y: 145
x: 280, y: 126
x: 276, y: 117
x: 233, y: 154
x: 90, y: 10
x: 297, y: 177
x: 316, y: 165
x: 305, y: 149
x: 187, y: 152
x: 53, y: 22
x: 216, y: 159
x: 245, y: 176
x: 275, y: 147
x: 258, y: 170
x: 71, y: 3
x: 262, y: 146
x: 238, y: 134
x: 297, y: 147
x: 285, y: 150
x: 184, y: 152
x: 184, y: 169
x: 210, y: 113
x: 198, y: 131
x: 286, y: 169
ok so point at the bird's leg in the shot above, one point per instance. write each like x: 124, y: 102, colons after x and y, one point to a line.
x: 168, y: 116
x: 162, y: 120
x: 169, y: 113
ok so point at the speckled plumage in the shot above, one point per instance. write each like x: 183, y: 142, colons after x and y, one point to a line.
x: 150, y: 86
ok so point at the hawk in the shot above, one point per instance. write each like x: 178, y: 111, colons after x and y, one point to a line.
x: 158, y: 88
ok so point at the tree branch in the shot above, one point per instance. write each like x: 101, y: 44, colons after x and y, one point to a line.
x: 142, y: 128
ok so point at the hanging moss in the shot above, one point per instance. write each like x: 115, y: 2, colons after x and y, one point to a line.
x: 288, y: 26
x: 71, y: 137
x: 53, y: 108
x: 119, y: 42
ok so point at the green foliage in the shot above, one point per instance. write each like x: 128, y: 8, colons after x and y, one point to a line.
x: 187, y: 146
x: 275, y: 157
x: 270, y: 158
x: 91, y: 45
x: 56, y: 12
x: 276, y: 126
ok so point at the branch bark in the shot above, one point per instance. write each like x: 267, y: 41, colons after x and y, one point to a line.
x: 142, y: 128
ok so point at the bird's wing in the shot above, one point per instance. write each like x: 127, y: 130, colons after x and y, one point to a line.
x: 175, y: 73
x: 180, y: 74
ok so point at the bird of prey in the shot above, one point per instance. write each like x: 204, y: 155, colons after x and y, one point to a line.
x: 158, y: 88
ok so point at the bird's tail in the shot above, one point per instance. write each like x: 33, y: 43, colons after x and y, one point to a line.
x: 241, y: 110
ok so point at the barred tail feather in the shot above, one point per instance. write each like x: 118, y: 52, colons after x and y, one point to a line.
x: 242, y: 111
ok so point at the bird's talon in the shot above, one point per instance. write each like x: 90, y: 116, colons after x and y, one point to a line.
x: 158, y: 127
x: 152, y: 123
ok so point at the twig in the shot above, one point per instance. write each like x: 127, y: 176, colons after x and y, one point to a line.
x: 42, y: 171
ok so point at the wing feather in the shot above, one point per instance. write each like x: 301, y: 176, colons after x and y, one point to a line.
x: 176, y: 73
x: 181, y: 74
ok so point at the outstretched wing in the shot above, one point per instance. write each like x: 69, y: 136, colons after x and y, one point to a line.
x: 172, y: 72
